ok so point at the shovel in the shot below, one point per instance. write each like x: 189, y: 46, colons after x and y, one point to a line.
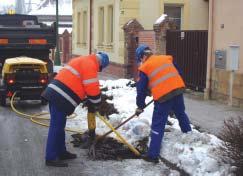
x: 99, y: 138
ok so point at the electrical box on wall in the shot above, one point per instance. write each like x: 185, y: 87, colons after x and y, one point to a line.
x: 233, y: 57
x: 220, y: 59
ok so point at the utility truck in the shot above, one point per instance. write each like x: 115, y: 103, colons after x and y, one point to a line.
x: 22, y: 37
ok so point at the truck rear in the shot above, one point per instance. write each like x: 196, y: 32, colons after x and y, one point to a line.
x: 25, y: 66
x: 23, y: 35
x: 25, y: 76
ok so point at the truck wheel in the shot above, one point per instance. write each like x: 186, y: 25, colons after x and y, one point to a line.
x: 3, y: 100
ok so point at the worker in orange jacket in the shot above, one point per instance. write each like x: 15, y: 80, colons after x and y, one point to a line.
x: 159, y: 74
x: 77, y: 81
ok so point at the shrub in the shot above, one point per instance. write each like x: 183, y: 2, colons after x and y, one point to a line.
x: 232, y: 148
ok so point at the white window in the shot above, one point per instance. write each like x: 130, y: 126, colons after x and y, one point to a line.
x: 84, y: 27
x: 101, y: 31
x: 78, y: 28
x: 110, y: 24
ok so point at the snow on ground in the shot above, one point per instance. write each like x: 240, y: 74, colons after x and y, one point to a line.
x: 195, y: 152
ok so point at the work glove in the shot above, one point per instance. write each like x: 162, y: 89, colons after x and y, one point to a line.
x: 93, y: 107
x: 138, y: 111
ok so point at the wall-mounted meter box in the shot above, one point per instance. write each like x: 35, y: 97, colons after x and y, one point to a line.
x: 233, y: 57
x: 220, y: 59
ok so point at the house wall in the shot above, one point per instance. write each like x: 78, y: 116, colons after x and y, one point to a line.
x: 79, y: 6
x: 129, y: 9
x: 124, y: 10
x: 194, y: 13
x: 112, y: 49
x: 227, y: 27
x: 197, y: 15
x: 149, y: 12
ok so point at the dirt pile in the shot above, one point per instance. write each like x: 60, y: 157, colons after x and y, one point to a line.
x: 108, y: 148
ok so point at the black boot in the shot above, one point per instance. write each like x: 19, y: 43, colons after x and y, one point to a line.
x: 67, y: 155
x: 56, y: 163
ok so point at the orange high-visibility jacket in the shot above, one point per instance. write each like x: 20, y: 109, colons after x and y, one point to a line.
x: 162, y: 74
x: 76, y: 81
x: 81, y: 76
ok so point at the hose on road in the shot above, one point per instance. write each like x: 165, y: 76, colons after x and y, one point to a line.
x: 37, y: 118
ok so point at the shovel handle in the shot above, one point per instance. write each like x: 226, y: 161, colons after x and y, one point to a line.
x: 109, y: 132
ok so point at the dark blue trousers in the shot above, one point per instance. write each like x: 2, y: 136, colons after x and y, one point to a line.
x: 159, y: 120
x: 56, y: 136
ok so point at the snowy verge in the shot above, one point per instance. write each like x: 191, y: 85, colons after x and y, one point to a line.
x: 195, y: 152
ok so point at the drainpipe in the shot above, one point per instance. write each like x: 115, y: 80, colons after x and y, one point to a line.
x: 90, y: 25
x: 207, y: 93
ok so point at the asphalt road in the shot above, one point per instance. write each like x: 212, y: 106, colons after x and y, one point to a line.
x: 22, y: 146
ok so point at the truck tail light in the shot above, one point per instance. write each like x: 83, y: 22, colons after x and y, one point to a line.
x: 37, y: 41
x: 10, y: 79
x: 43, y: 79
x: 3, y: 41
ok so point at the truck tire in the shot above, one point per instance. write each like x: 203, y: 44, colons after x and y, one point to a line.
x: 3, y: 100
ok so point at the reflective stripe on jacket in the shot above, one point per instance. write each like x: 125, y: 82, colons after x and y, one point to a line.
x: 78, y: 77
x: 162, y: 74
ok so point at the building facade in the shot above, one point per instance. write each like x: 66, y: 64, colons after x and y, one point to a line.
x: 225, y: 52
x: 99, y: 25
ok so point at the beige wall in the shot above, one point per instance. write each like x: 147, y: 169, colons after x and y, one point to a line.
x: 194, y: 13
x: 149, y: 12
x: 230, y: 15
x: 225, y: 28
x: 129, y: 9
x: 124, y: 11
x: 111, y: 49
x: 198, y: 15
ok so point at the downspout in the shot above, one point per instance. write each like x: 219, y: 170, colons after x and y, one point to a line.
x: 208, y: 90
x: 90, y: 25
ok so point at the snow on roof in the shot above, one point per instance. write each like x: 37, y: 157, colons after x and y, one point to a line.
x: 160, y: 19
x: 129, y: 22
x: 62, y: 29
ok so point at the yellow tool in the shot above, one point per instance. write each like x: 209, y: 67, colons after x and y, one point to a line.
x: 91, y: 121
x: 135, y: 151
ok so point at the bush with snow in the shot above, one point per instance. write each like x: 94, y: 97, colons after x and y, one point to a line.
x: 232, y: 149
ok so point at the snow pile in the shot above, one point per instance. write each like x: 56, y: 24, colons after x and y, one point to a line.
x: 194, y: 152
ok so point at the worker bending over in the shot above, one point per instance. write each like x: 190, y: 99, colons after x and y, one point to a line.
x: 77, y: 81
x: 158, y: 74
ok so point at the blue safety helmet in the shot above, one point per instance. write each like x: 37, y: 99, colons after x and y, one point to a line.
x: 140, y: 52
x: 104, y: 59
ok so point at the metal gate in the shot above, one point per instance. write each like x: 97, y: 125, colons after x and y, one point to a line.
x: 189, y: 49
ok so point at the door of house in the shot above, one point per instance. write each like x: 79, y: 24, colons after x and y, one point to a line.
x: 189, y: 49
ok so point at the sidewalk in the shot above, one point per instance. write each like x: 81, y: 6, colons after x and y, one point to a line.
x: 208, y: 115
